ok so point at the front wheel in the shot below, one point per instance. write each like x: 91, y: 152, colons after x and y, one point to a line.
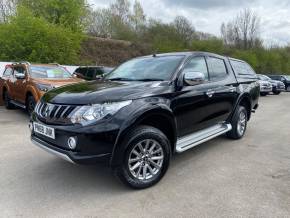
x: 146, y: 159
x: 30, y: 104
x: 239, y: 123
x: 276, y: 92
x: 7, y: 101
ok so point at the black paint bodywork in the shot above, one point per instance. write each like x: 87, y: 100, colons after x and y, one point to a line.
x: 186, y: 109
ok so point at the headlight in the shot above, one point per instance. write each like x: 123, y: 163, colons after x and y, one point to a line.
x: 89, y: 114
x: 44, y: 87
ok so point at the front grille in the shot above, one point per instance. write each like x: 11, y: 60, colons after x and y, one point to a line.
x: 54, y: 113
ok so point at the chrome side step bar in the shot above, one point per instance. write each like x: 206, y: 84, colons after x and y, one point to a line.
x: 18, y: 104
x: 192, y: 140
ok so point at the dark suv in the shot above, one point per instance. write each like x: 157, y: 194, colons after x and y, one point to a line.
x: 283, y: 78
x: 92, y: 72
x: 147, y: 109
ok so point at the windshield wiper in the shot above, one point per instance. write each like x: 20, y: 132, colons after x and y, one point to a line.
x: 149, y: 80
x: 120, y: 79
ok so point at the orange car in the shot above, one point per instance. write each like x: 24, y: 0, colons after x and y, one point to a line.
x: 23, y: 84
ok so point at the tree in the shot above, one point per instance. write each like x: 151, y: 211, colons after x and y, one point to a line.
x: 121, y: 11
x: 7, y: 8
x: 138, y: 18
x: 100, y: 23
x: 184, y: 29
x: 31, y: 38
x: 243, y: 32
x: 67, y: 13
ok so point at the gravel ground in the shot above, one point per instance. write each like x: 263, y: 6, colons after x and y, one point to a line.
x: 221, y: 178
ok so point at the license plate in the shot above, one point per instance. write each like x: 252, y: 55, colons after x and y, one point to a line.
x: 44, y: 130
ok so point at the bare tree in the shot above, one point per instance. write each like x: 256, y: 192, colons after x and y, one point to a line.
x: 184, y: 28
x: 138, y: 18
x: 100, y: 23
x: 7, y: 8
x: 243, y: 31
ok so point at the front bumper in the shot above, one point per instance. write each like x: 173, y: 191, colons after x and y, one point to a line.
x: 265, y: 89
x: 70, y: 156
x: 94, y: 144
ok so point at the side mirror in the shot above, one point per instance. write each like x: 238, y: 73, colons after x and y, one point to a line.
x: 19, y: 76
x: 99, y: 77
x: 192, y: 78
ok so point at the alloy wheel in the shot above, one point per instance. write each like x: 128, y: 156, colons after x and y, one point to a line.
x: 146, y: 159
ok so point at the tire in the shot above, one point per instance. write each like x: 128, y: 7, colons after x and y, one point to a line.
x: 276, y: 92
x: 7, y: 101
x: 158, y: 147
x: 239, y: 123
x: 30, y: 104
x: 264, y: 93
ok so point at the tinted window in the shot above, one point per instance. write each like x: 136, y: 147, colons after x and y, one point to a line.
x: 81, y: 71
x: 99, y: 72
x: 8, y: 72
x: 197, y: 64
x: 19, y: 70
x: 51, y: 72
x: 242, y: 68
x: 217, y: 68
x: 90, y: 73
x: 147, y: 68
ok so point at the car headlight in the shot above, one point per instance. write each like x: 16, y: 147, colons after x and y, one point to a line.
x: 44, y: 87
x: 90, y: 114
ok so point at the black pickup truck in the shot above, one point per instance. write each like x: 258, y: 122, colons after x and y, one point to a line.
x: 146, y: 110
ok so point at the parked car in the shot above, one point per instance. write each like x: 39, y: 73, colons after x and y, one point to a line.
x: 283, y: 78
x: 92, y: 72
x: 23, y: 84
x: 277, y: 86
x: 265, y: 87
x: 144, y: 111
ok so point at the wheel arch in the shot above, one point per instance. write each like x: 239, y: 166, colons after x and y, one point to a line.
x: 159, y: 118
x: 244, y: 100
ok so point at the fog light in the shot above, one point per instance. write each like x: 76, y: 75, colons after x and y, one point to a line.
x: 72, y: 142
x: 30, y: 125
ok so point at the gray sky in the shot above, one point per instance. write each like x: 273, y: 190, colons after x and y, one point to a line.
x: 207, y: 15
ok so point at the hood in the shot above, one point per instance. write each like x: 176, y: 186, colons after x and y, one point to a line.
x: 275, y: 82
x: 56, y: 82
x: 104, y: 91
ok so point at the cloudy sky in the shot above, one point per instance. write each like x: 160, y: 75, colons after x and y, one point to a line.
x: 207, y: 15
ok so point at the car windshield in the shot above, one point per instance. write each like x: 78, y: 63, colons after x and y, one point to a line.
x: 49, y: 72
x: 287, y: 77
x: 146, y: 69
x: 265, y: 78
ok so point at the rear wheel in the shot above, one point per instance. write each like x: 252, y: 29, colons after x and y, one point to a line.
x: 264, y: 93
x: 146, y: 159
x: 7, y: 101
x: 239, y: 123
x: 30, y: 104
x: 276, y: 92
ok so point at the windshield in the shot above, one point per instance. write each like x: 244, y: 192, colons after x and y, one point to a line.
x: 49, y: 72
x: 287, y: 77
x: 146, y: 69
x: 265, y: 78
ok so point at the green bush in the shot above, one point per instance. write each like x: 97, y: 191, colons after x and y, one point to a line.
x: 31, y: 38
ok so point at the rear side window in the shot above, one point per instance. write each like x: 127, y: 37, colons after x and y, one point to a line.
x: 8, y: 72
x: 217, y: 69
x: 242, y: 68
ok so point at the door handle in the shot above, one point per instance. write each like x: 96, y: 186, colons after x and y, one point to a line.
x: 210, y: 93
